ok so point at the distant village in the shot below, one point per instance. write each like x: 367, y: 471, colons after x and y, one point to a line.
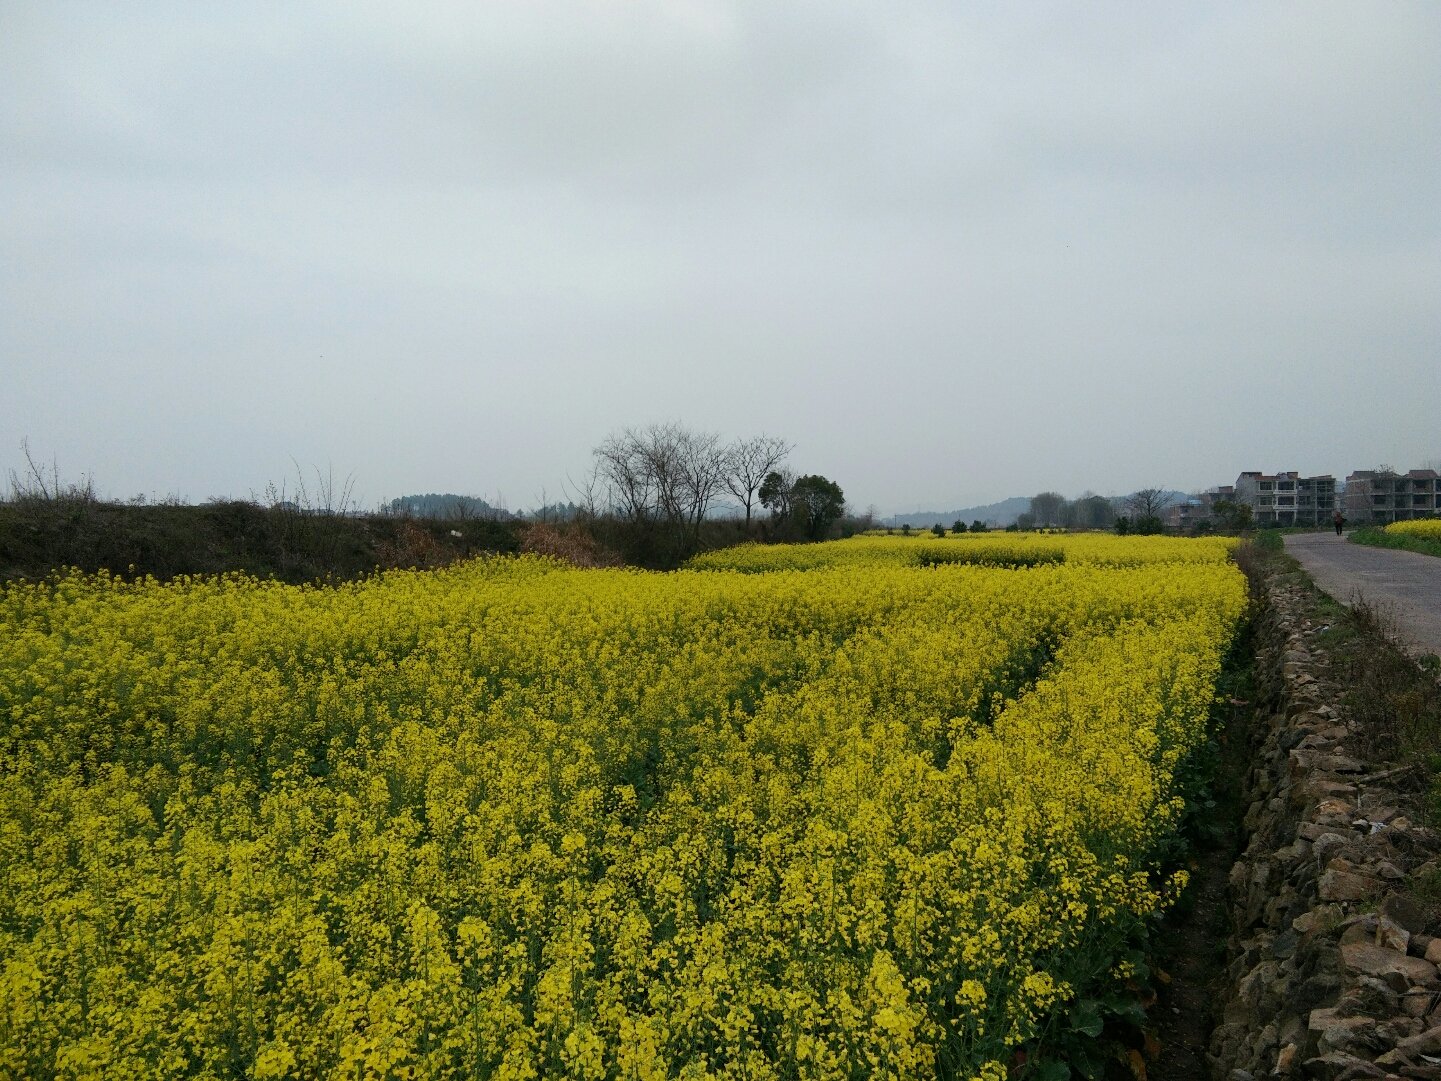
x: 1366, y: 497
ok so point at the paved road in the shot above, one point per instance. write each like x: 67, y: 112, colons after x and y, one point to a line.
x: 1405, y: 584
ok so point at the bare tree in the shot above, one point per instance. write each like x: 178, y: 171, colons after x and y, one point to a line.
x: 42, y: 483
x: 1094, y: 511
x: 588, y: 496
x: 1046, y: 508
x: 701, y: 465
x: 662, y: 479
x: 1144, y: 508
x: 623, y: 466
x: 747, y: 461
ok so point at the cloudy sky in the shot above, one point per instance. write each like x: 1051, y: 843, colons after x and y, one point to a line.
x: 954, y: 252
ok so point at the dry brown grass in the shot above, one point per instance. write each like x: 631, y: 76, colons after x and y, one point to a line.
x: 568, y: 543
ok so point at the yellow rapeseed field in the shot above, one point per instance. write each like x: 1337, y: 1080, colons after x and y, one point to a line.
x: 877, y: 808
x: 1421, y: 527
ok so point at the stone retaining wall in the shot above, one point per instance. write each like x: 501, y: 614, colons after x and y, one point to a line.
x: 1333, y: 973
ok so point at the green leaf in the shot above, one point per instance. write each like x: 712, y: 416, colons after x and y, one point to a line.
x: 1051, y: 1070
x: 1126, y: 1008
x: 1086, y: 1017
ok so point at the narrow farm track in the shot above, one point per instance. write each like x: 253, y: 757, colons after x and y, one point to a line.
x: 1407, y: 585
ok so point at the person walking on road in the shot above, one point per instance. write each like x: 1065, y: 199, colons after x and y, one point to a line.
x: 1338, y: 520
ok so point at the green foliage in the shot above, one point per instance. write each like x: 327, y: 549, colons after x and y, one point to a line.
x: 817, y: 502
x: 958, y: 527
x: 1268, y: 540
x: 169, y: 540
x: 1379, y: 538
x: 1147, y: 525
x: 938, y: 530
x: 1232, y: 515
x: 775, y: 494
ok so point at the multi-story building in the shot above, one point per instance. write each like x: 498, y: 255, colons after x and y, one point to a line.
x: 1381, y: 496
x: 1287, y: 498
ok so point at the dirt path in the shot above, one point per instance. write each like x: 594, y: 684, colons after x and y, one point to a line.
x: 1407, y: 585
x: 1192, y: 949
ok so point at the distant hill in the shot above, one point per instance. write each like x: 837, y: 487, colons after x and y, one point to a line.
x: 995, y: 514
x: 999, y: 514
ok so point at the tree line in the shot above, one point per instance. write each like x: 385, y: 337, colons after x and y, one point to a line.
x: 653, y: 493
x: 1139, y: 512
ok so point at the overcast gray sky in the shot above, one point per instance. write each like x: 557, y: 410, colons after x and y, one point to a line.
x: 954, y: 252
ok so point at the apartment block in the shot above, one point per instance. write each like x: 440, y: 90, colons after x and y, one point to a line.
x: 1287, y: 498
x: 1379, y: 496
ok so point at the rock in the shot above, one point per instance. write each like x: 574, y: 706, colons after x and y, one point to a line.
x: 1335, y: 1065
x: 1334, y: 1032
x: 1399, y: 1028
x: 1424, y: 835
x: 1433, y: 951
x: 1312, y: 831
x: 1329, y: 845
x: 1388, y: 870
x: 1284, y: 945
x: 1320, y: 918
x: 1237, y: 876
x: 1405, y: 912
x: 1284, y: 907
x: 1369, y: 996
x: 1316, y: 990
x: 1330, y: 796
x: 1415, y: 1003
x: 1426, y: 1043
x: 1360, y: 929
x: 1399, y: 971
x: 1340, y: 763
x: 1344, y: 885
x: 1392, y: 935
x: 1284, y: 1058
x: 1293, y: 1030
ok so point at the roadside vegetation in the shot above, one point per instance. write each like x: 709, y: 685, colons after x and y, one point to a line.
x: 1422, y: 535
x: 1392, y: 695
